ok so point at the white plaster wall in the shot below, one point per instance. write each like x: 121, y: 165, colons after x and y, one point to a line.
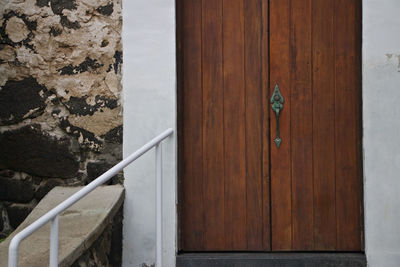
x: 381, y: 112
x: 149, y: 108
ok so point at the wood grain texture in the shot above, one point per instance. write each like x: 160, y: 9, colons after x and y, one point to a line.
x: 301, y: 126
x: 323, y: 18
x: 234, y: 126
x: 223, y: 107
x: 281, y: 195
x: 254, y: 124
x: 266, y: 196
x: 239, y: 191
x: 348, y: 186
x: 213, y: 122
x: 192, y: 226
x: 315, y: 59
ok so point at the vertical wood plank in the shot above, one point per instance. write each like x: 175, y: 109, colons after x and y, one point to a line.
x: 254, y: 109
x: 234, y: 125
x: 281, y: 201
x: 265, y: 121
x: 213, y: 134
x: 348, y: 189
x: 193, y: 209
x: 301, y: 126
x: 323, y: 124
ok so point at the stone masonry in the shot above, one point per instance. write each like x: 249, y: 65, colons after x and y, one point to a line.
x: 60, y: 98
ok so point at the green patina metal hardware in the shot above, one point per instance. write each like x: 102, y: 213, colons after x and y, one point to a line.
x: 277, y: 105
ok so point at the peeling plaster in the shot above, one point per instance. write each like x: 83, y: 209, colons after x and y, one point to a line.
x: 394, y: 59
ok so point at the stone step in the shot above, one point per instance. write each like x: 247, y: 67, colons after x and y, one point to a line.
x: 79, y: 226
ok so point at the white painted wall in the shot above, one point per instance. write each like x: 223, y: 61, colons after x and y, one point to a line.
x: 150, y: 107
x: 149, y: 82
x: 381, y: 112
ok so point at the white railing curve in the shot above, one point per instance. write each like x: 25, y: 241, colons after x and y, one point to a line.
x: 53, y: 214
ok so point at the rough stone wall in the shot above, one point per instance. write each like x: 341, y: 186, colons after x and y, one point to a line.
x: 60, y: 98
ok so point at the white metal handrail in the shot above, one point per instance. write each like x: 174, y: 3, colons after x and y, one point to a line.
x: 53, y: 214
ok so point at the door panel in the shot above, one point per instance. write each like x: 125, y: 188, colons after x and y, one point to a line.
x: 223, y: 87
x: 316, y: 201
x: 255, y: 70
x: 281, y: 197
x: 238, y: 190
x: 234, y: 122
x: 213, y: 125
x: 301, y: 125
x: 347, y: 124
x: 323, y: 123
x: 190, y: 14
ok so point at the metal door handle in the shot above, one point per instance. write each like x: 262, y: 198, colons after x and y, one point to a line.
x: 277, y: 105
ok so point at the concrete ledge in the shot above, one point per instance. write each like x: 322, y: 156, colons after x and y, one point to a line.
x: 273, y: 259
x: 80, y: 226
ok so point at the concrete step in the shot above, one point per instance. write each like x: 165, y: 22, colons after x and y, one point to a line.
x: 80, y: 226
x: 272, y: 259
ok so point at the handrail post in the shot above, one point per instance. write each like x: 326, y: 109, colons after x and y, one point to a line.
x: 54, y: 242
x: 159, y: 205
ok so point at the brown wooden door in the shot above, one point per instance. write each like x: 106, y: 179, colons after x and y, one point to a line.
x: 224, y: 153
x: 238, y: 190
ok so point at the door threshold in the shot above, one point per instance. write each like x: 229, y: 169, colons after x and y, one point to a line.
x: 271, y: 259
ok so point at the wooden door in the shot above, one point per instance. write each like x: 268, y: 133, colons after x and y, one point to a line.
x: 316, y: 201
x: 238, y: 190
x: 224, y: 141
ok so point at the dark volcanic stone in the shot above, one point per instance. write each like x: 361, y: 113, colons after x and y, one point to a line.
x: 18, y: 212
x: 29, y: 150
x: 78, y: 105
x: 116, y: 239
x: 16, y: 190
x: 104, y: 43
x: 7, y: 173
x: 18, y: 98
x: 95, y: 169
x: 114, y: 135
x: 5, y: 227
x: 88, y: 137
x: 42, y: 3
x: 59, y: 5
x: 87, y: 64
x: 2, y: 209
x: 69, y: 24
x: 55, y: 31
x: 106, y: 10
x: 118, y: 60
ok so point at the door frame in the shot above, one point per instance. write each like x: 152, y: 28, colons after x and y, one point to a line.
x: 267, y: 81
